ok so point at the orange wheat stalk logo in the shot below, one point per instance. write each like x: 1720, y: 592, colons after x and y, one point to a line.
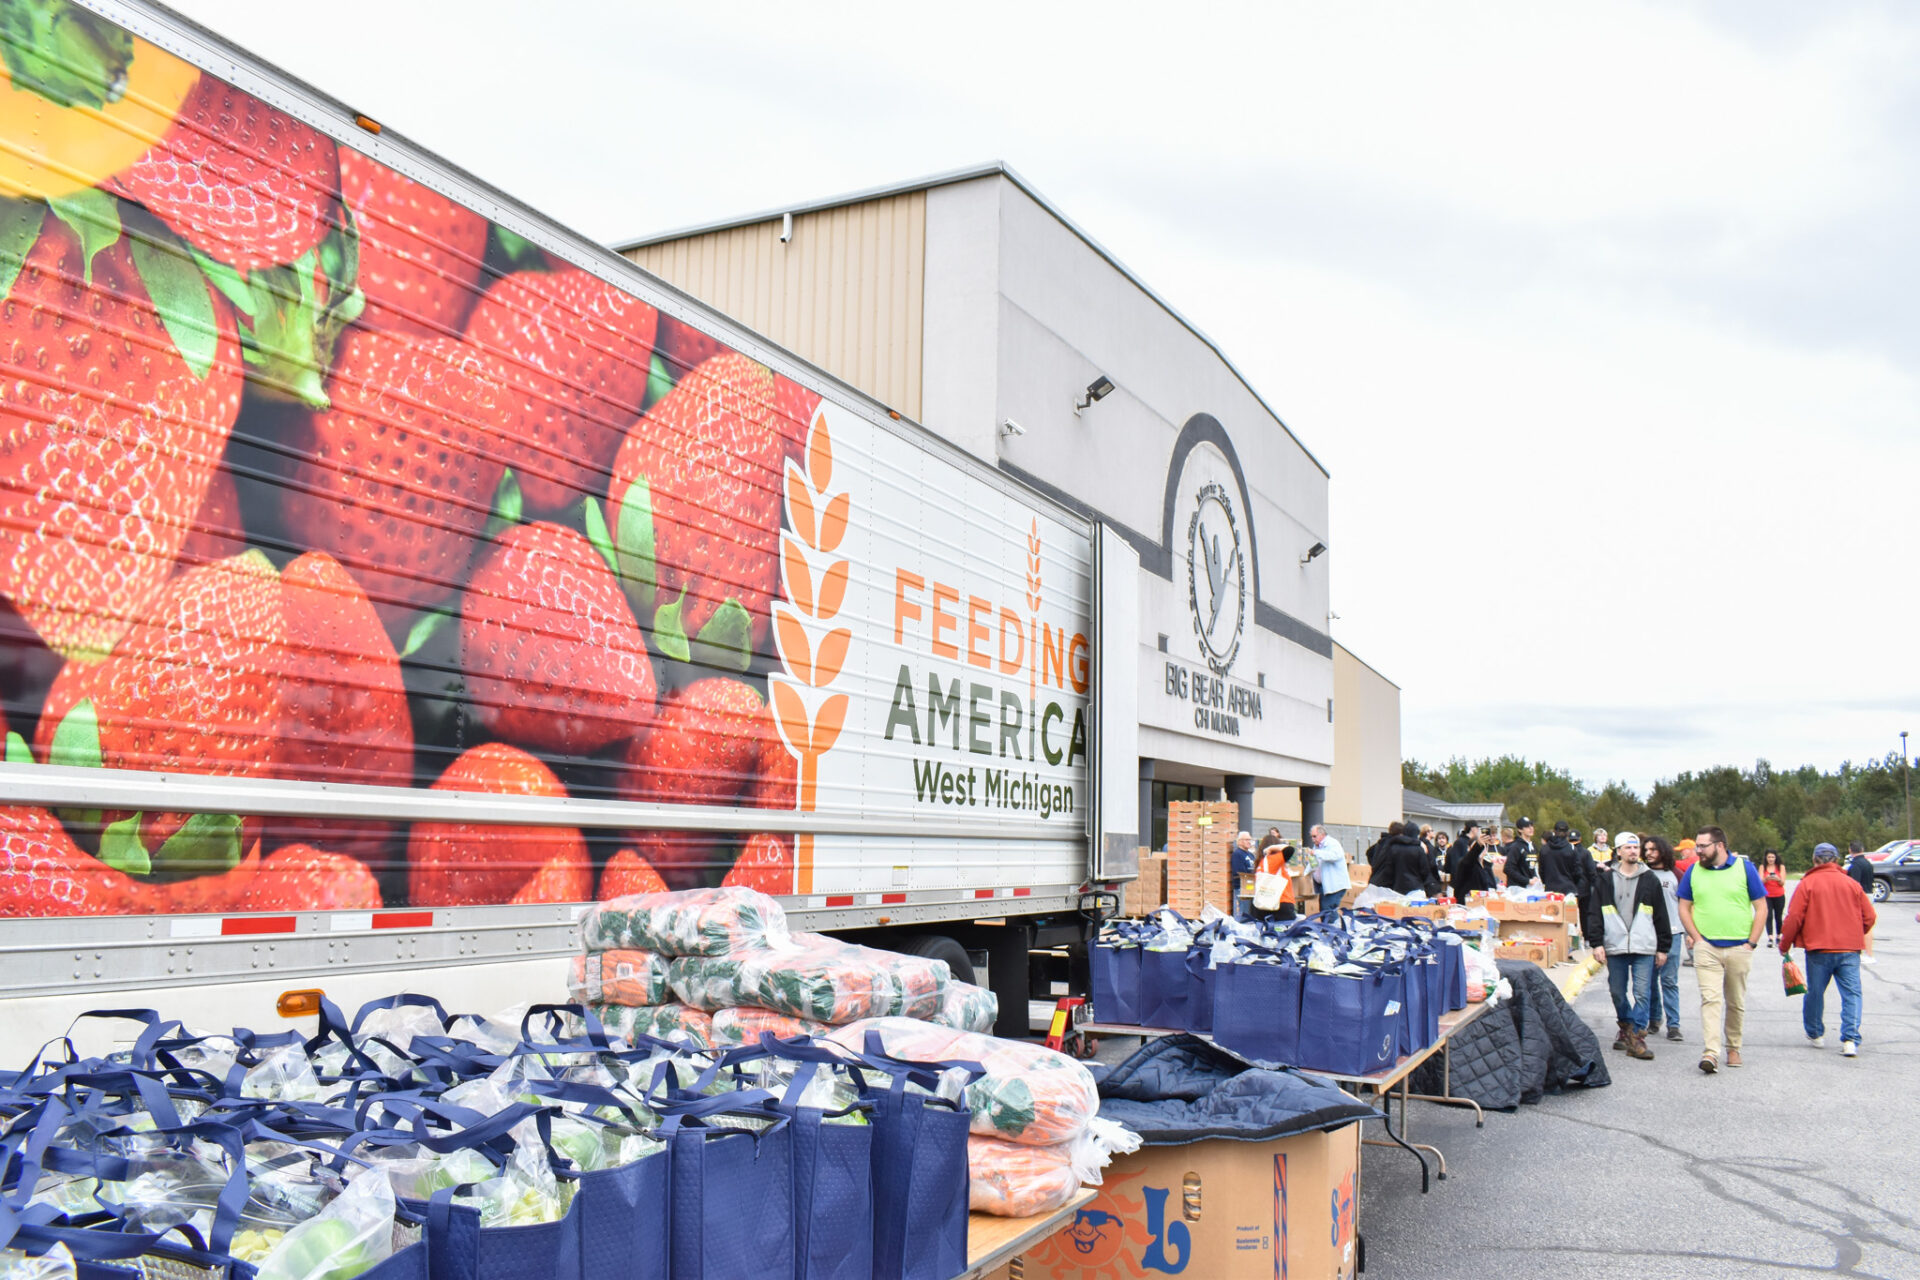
x: 812, y: 649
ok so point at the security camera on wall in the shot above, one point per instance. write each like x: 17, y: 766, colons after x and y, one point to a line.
x: 1012, y: 428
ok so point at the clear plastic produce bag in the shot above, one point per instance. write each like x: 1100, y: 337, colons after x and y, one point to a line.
x: 352, y: 1234
x: 619, y: 977
x: 55, y: 1264
x: 966, y: 1007
x: 694, y: 922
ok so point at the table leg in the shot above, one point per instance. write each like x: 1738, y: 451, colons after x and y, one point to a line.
x: 1397, y: 1141
x: 1445, y: 1097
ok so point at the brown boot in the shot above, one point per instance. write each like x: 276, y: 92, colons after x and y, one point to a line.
x: 1620, y: 1040
x: 1637, y: 1046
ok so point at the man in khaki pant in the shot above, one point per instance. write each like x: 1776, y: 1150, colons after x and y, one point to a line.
x: 1723, y: 907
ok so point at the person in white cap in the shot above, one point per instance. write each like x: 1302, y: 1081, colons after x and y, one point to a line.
x: 1625, y: 914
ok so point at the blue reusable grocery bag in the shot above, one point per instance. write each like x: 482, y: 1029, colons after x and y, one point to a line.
x: 1115, y: 982
x: 732, y: 1189
x: 1256, y: 1010
x: 1200, y: 983
x: 1453, y: 962
x: 1350, y: 1023
x: 1164, y: 988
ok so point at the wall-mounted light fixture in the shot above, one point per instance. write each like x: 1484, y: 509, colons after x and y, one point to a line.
x: 1099, y: 389
x: 1012, y: 428
x: 786, y: 228
x: 1314, y: 552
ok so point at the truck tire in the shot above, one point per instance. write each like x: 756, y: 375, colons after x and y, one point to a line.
x: 937, y: 946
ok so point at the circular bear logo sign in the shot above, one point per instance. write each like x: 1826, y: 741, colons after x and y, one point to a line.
x: 1216, y: 577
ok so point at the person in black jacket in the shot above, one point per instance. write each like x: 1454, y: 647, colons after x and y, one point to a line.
x: 1563, y: 866
x: 1624, y: 915
x: 1409, y: 867
x: 1455, y: 853
x: 1377, y: 851
x: 1519, y: 855
x: 1471, y: 873
x: 1861, y: 869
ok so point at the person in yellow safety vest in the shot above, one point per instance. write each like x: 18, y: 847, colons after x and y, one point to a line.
x: 1274, y: 863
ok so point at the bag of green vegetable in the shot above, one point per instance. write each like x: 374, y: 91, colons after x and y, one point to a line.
x: 350, y: 1235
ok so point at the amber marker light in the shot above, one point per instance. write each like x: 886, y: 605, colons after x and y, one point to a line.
x: 303, y: 1003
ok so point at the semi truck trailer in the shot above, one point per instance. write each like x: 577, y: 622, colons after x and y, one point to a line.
x: 387, y: 572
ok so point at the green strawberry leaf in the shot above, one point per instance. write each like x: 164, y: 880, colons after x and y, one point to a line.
x: 19, y: 228
x: 727, y: 639
x: 301, y: 310
x: 228, y: 281
x: 179, y: 294
x: 659, y: 381
x: 669, y: 636
x: 120, y: 847
x: 423, y: 630
x: 596, y: 525
x: 63, y: 53
x: 633, y: 546
x: 77, y: 741
x: 507, y: 504
x: 207, y: 843
x: 18, y: 752
x: 521, y: 254
x: 95, y: 218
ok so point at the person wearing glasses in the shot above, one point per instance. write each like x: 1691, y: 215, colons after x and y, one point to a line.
x: 1723, y: 906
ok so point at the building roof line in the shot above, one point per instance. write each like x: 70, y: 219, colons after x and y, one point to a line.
x: 1368, y: 665
x: 994, y: 168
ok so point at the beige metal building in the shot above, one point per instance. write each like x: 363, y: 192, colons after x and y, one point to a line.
x: 970, y: 304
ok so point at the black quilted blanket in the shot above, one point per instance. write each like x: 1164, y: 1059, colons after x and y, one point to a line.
x: 1526, y: 1048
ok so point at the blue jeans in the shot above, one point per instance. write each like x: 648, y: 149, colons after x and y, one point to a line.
x: 1844, y: 968
x: 1331, y: 901
x: 1665, y: 1004
x: 1637, y: 970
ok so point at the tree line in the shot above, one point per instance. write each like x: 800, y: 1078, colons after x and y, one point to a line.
x: 1760, y: 808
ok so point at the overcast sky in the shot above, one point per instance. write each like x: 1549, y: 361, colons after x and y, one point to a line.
x: 1603, y: 318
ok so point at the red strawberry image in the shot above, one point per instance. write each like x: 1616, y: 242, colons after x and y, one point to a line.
x: 776, y: 775
x: 683, y: 347
x: 552, y: 654
x: 682, y: 859
x: 628, y: 873
x: 703, y: 530
x: 210, y: 894
x: 396, y: 479
x: 704, y: 748
x: 111, y: 426
x: 420, y: 253
x: 568, y: 878
x: 195, y: 686
x: 795, y: 405
x: 766, y: 864
x: 238, y: 180
x: 454, y: 864
x: 344, y: 715
x: 302, y: 878
x: 574, y: 352
x: 43, y: 873
x: 216, y: 532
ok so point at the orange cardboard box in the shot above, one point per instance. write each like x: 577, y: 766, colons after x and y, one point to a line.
x: 1556, y: 936
x: 1515, y: 949
x: 1216, y: 1209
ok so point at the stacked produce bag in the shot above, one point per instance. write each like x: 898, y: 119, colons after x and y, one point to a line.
x: 1349, y: 992
x: 721, y: 967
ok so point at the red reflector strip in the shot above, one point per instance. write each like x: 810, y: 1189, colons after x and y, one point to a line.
x: 257, y: 924
x: 889, y: 899
x: 983, y: 893
x: 403, y: 919
x: 1023, y: 893
x: 843, y: 900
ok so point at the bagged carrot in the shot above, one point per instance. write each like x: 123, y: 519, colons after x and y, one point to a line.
x: 619, y: 977
x: 966, y: 1007
x: 746, y: 1024
x: 1029, y: 1094
x: 693, y: 922
x: 662, y: 1021
x: 816, y: 977
x: 1013, y: 1180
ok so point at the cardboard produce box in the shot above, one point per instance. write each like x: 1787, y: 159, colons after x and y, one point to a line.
x: 1148, y: 893
x: 1216, y: 1209
x: 1556, y: 936
x: 1518, y: 949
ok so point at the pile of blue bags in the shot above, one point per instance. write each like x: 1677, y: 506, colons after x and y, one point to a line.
x: 1347, y: 992
x: 407, y: 1144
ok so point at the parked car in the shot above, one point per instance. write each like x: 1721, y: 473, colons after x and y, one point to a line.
x: 1892, y: 848
x: 1898, y: 873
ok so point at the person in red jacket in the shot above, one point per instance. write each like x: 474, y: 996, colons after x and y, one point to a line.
x: 1829, y: 918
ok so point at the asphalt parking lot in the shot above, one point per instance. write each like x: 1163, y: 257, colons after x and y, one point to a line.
x: 1799, y: 1162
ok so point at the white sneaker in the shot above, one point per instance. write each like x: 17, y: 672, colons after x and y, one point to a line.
x: 1848, y: 1049
x: 1818, y: 1042
x: 1867, y: 960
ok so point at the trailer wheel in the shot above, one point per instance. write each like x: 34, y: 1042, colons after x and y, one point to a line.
x: 937, y: 946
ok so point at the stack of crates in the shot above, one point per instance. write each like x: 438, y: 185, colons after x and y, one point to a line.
x: 1199, y: 848
x: 1148, y: 893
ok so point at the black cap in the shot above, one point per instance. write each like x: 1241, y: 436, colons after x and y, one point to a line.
x: 1525, y: 822
x: 1573, y: 835
x: 1560, y: 828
